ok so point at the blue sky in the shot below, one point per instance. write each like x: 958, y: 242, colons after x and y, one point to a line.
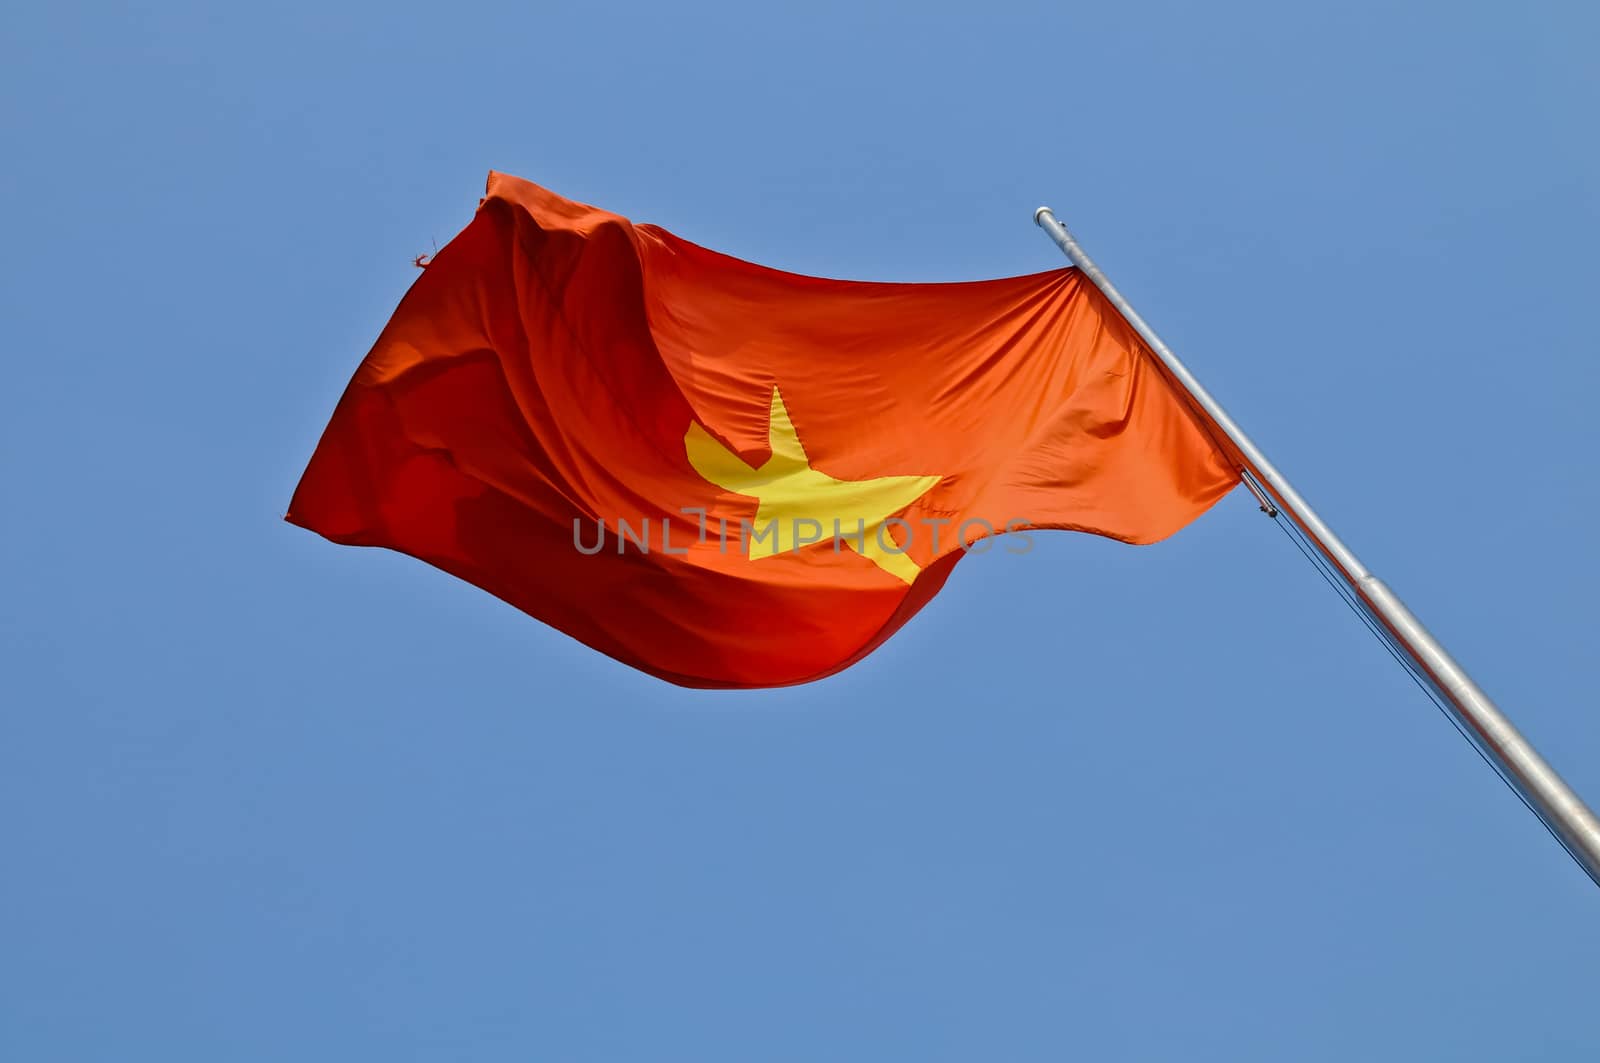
x: 263, y: 798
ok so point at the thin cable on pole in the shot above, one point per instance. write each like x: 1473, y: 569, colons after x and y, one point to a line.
x: 1423, y: 681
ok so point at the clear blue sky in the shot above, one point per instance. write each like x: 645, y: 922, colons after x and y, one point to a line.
x: 265, y: 798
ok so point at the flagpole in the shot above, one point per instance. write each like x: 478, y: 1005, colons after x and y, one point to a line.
x: 1544, y: 791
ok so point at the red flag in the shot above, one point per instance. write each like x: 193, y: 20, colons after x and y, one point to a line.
x: 727, y: 475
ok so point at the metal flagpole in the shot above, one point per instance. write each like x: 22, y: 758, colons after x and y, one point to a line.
x: 1550, y: 798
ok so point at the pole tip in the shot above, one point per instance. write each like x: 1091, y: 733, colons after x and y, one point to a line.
x: 1040, y: 211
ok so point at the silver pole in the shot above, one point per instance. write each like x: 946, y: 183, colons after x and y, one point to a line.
x: 1550, y: 798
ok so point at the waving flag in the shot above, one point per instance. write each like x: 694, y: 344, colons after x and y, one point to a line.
x: 727, y: 475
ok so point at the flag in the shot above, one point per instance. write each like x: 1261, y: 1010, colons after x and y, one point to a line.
x: 727, y: 475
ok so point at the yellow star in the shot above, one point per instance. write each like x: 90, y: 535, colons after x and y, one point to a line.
x: 791, y: 493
